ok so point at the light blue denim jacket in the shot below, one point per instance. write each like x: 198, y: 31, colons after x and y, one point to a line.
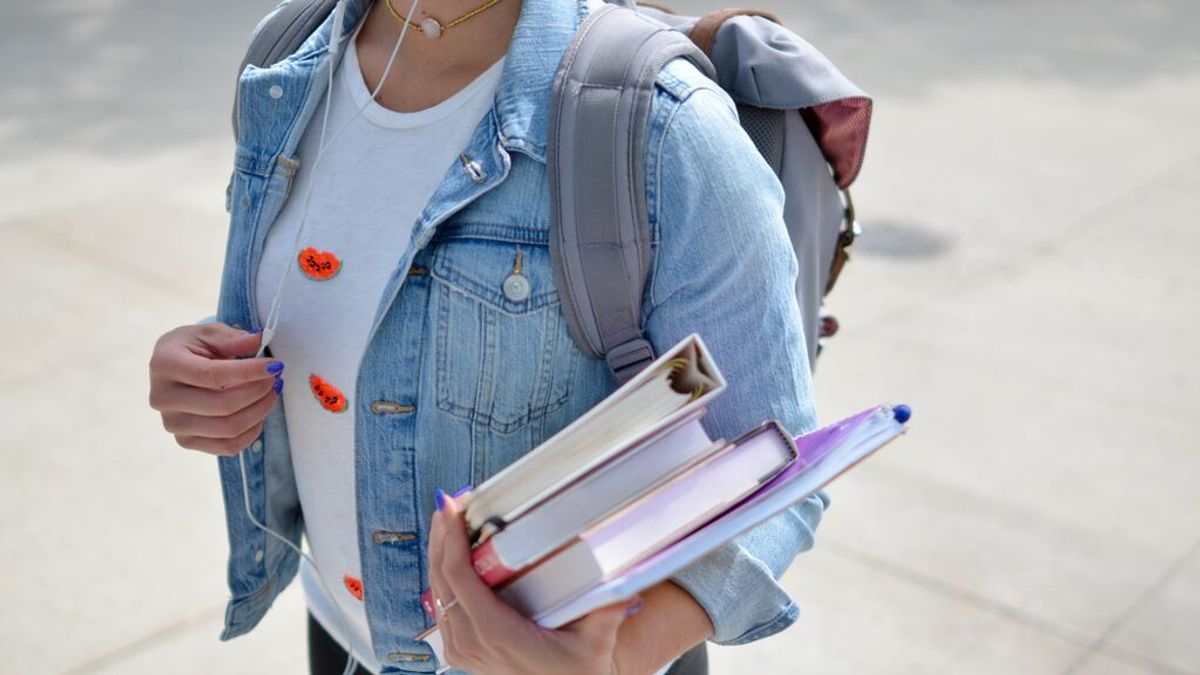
x: 458, y: 380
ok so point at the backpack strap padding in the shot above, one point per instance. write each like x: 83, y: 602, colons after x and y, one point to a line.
x: 281, y: 33
x: 599, y: 229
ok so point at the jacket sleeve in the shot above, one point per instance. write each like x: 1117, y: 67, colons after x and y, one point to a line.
x: 724, y: 267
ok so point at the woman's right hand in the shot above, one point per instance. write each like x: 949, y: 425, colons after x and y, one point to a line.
x: 211, y: 397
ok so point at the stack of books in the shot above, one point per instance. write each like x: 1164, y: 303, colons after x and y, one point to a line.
x: 635, y: 490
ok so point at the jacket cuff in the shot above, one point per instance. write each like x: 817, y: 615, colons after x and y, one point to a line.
x: 738, y: 583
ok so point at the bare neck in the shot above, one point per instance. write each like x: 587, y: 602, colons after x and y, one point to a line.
x: 430, y: 70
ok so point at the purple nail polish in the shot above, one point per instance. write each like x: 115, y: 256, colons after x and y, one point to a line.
x: 275, y: 367
x: 635, y: 608
x: 256, y: 331
x: 462, y: 491
x: 278, y: 384
x: 440, y: 497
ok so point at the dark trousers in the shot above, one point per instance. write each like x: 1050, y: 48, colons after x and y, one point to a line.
x: 326, y: 656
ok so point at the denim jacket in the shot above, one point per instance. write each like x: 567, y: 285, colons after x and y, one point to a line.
x: 458, y: 380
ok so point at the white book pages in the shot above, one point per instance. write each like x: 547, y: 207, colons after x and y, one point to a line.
x: 683, y: 504
x: 570, y: 572
x: 628, y: 415
x: 555, y: 521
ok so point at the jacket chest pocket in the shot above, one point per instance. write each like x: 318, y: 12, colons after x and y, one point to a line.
x: 504, y: 358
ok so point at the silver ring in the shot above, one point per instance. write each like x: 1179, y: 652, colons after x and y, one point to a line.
x: 442, y: 609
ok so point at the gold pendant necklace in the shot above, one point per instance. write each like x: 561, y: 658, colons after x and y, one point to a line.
x: 431, y: 27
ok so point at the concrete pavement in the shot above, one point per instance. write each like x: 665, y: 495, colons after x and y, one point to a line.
x: 1027, y: 284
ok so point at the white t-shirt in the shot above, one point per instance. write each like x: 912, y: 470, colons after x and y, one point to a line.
x: 373, y: 182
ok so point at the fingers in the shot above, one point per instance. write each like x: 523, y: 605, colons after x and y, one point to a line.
x: 224, y: 427
x: 481, y: 628
x: 596, y: 634
x: 480, y: 632
x: 437, y: 583
x: 176, y: 397
x: 460, y: 642
x: 225, y: 342
x: 180, y: 365
x: 480, y: 603
x: 222, y: 447
x: 209, y: 402
x: 204, y: 356
x: 437, y: 580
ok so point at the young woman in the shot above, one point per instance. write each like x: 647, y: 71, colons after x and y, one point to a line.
x: 425, y: 348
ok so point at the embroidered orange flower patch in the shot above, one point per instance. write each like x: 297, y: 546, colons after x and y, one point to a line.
x: 353, y: 585
x: 331, y: 398
x: 319, y: 265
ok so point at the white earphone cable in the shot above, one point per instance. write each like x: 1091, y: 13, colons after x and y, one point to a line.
x: 351, y: 663
x: 272, y: 321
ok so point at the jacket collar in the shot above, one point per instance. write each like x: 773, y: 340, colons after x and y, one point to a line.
x: 543, y: 32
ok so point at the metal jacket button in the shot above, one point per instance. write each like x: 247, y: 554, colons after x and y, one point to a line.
x: 473, y: 169
x: 275, y: 91
x: 516, y: 287
x: 390, y: 537
x: 401, y: 657
x: 390, y: 408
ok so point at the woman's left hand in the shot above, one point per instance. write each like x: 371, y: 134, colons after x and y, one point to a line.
x: 483, y: 635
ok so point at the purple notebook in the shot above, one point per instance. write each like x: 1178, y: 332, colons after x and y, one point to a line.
x: 823, y: 455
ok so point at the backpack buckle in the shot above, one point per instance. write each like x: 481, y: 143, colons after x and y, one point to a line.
x: 850, y: 230
x: 626, y: 360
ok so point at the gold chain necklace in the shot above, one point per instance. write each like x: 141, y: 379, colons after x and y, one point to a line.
x: 431, y: 27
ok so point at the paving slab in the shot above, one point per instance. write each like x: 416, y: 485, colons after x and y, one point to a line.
x: 856, y: 619
x: 1058, y: 431
x: 277, y: 645
x: 100, y: 510
x: 93, y: 306
x: 1166, y: 625
x: 110, y: 532
x: 1099, y: 664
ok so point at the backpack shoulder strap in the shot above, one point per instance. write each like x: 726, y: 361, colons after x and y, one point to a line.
x: 280, y: 33
x: 599, y: 229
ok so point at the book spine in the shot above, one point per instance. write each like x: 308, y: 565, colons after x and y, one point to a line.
x: 488, y: 566
x: 427, y: 604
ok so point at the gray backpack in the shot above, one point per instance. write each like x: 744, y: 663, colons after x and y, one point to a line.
x: 807, y: 120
